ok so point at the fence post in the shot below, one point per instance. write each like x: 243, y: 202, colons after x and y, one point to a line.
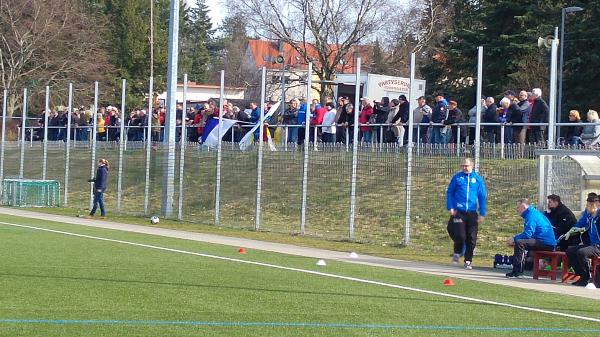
x: 45, y: 151
x: 182, y: 144
x: 306, y: 147
x: 477, y: 141
x: 148, y: 145
x: 502, y: 141
x: 68, y: 154
x: 121, y: 146
x: 409, y: 154
x: 3, y: 139
x: 94, y: 128
x: 219, y: 155
x: 351, y: 224
x: 260, y: 148
x: 23, y: 127
x: 458, y: 140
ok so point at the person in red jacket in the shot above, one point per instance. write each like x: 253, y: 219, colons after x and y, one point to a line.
x: 363, y: 119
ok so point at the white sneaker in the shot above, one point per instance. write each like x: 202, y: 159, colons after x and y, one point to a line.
x: 468, y: 265
x: 455, y: 258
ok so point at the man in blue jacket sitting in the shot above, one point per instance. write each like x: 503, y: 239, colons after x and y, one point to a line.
x: 537, y: 235
x: 579, y: 255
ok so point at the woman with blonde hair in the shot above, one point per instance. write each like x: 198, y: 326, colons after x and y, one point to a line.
x: 591, y: 131
x: 573, y: 136
x: 100, y: 182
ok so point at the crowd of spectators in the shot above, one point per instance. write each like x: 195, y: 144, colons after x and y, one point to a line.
x: 519, y: 118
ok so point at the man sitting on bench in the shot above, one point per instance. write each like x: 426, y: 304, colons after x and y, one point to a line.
x: 579, y: 255
x: 537, y: 235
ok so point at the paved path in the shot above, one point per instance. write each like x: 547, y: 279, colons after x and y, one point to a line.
x: 477, y: 274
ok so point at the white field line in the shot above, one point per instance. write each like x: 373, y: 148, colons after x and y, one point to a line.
x: 341, y: 277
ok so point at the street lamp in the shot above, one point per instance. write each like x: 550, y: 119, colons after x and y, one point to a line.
x: 564, y: 13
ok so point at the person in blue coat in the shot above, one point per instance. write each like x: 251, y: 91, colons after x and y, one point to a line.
x: 100, y: 182
x: 579, y: 255
x: 537, y: 234
x: 465, y: 193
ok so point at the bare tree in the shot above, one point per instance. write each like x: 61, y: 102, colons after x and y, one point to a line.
x: 424, y: 22
x: 321, y: 31
x: 49, y: 42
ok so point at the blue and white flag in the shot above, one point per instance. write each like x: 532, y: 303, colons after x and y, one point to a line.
x: 210, y: 136
x: 249, y: 137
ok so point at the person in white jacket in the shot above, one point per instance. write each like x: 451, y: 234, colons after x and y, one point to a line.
x: 329, y: 123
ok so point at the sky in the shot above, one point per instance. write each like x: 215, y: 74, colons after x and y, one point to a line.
x: 217, y: 10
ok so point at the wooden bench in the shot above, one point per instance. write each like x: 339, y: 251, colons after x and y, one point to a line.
x: 556, y: 257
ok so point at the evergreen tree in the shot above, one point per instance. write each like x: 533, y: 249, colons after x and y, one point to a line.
x: 379, y: 64
x: 197, y: 39
x: 581, y: 75
x: 230, y: 49
x: 508, y: 31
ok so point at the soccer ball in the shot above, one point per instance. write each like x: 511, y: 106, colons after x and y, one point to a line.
x: 154, y: 220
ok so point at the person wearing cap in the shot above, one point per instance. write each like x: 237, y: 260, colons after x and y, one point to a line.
x: 401, y: 118
x: 466, y: 193
x: 422, y: 116
x: 578, y: 256
x: 439, y: 114
x: 455, y: 116
x: 537, y: 235
x: 562, y: 219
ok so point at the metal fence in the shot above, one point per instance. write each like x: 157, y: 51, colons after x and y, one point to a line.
x: 381, y: 195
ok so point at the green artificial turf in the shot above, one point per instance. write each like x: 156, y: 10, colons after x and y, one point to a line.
x: 101, y: 288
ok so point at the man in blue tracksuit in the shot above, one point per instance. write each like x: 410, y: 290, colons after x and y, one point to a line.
x: 537, y: 234
x: 466, y: 191
x: 579, y: 255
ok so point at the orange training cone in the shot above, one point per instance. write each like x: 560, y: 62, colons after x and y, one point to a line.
x: 448, y: 282
x: 242, y: 251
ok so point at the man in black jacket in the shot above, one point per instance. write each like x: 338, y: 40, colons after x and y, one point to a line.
x: 490, y: 115
x: 562, y: 219
x: 539, y: 114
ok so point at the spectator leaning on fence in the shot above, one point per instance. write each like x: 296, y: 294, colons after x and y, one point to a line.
x: 438, y: 115
x: 579, y: 255
x: 523, y: 107
x: 466, y: 193
x: 363, y: 119
x: 537, y: 235
x: 591, y: 130
x: 539, y: 114
x: 575, y: 130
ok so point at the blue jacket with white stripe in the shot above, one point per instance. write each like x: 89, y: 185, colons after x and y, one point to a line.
x: 465, y: 192
x: 592, y: 226
x: 536, y: 226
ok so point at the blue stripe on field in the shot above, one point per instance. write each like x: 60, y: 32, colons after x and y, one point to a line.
x: 289, y: 324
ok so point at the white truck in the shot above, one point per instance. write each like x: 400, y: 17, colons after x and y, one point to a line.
x: 377, y: 86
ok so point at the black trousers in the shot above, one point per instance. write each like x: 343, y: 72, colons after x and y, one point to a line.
x: 462, y: 229
x: 578, y: 259
x: 521, y: 248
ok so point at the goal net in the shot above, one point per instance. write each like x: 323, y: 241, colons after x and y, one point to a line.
x: 30, y: 193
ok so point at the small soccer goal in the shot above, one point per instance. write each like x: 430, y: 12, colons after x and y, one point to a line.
x: 30, y: 193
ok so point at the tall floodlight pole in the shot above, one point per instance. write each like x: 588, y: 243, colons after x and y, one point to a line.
x: 564, y: 13
x: 170, y: 120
